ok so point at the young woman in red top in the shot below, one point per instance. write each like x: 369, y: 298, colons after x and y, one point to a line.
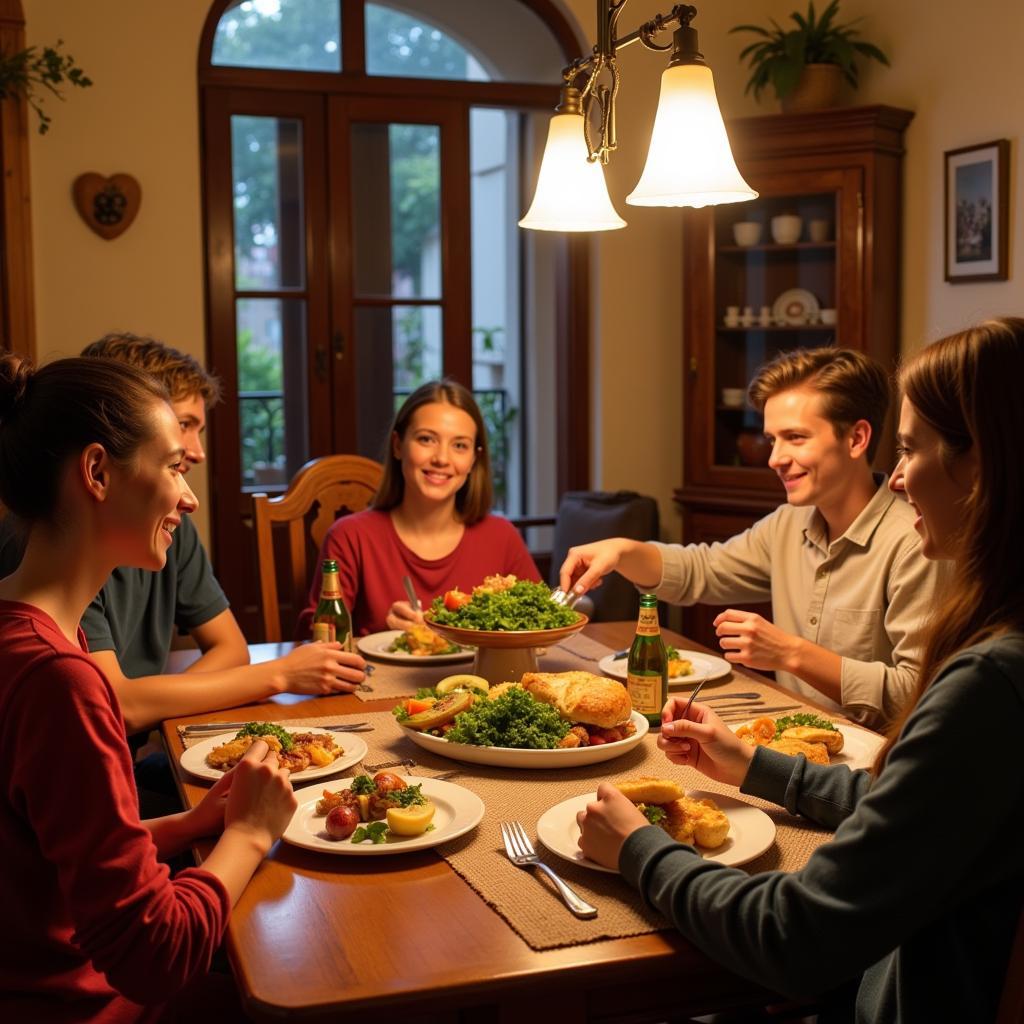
x: 95, y: 929
x: 430, y: 520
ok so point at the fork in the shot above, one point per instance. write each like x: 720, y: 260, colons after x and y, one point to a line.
x: 400, y: 762
x: 521, y: 852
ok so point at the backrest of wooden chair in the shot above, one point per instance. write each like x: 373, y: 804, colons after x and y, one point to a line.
x: 320, y: 492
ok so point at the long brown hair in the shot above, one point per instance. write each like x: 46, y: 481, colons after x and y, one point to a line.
x: 967, y: 389
x: 474, y: 497
x: 50, y: 414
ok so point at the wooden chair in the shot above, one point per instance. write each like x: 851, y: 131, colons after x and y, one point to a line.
x: 319, y: 493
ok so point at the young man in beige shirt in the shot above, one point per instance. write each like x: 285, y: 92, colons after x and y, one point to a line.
x: 841, y: 560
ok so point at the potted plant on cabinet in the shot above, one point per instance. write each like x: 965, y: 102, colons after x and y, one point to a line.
x: 807, y: 64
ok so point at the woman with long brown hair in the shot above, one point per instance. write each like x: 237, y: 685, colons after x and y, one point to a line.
x: 94, y: 929
x: 430, y: 519
x: 916, y: 898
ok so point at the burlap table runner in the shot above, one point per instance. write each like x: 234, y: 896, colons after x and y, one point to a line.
x: 529, y: 904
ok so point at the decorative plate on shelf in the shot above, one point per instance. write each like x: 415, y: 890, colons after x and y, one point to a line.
x: 795, y: 306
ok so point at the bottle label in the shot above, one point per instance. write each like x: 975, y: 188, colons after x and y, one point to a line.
x: 330, y: 587
x: 647, y: 624
x: 645, y: 693
x: 323, y: 632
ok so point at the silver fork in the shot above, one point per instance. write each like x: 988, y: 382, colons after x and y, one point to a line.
x: 401, y: 762
x: 521, y: 852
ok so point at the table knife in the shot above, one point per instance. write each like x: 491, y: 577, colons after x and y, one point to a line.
x: 235, y: 726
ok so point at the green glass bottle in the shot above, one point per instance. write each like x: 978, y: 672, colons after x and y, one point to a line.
x: 331, y: 620
x: 647, y: 667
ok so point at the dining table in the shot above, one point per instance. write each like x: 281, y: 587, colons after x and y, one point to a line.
x: 405, y: 937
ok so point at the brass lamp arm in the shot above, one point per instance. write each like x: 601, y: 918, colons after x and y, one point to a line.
x: 603, y: 59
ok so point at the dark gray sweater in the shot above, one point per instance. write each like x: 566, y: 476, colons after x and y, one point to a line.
x: 919, y: 892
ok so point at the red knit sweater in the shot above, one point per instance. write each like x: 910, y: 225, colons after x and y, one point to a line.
x: 94, y: 928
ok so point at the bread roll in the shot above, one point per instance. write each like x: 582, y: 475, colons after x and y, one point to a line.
x: 650, y: 791
x: 581, y: 696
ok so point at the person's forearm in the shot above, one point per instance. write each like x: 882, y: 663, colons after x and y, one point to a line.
x: 640, y: 563
x: 818, y: 666
x: 236, y: 856
x: 149, y: 700
x: 171, y: 833
x: 226, y: 655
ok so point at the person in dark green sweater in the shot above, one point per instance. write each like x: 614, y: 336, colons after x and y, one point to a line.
x: 915, y: 901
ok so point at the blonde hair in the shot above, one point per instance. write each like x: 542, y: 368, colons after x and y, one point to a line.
x: 852, y: 386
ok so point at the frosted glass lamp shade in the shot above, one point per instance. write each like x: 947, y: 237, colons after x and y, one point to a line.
x: 571, y: 193
x: 689, y: 162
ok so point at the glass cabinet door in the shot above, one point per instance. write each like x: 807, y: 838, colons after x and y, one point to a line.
x: 784, y: 276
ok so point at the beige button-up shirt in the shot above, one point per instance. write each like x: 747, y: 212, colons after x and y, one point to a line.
x: 866, y: 595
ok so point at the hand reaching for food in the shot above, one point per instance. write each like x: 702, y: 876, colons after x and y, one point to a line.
x: 606, y: 824
x: 703, y: 741
x: 403, y: 616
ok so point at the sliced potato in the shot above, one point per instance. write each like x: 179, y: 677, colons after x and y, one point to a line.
x: 461, y: 682
x: 364, y: 806
x: 410, y: 821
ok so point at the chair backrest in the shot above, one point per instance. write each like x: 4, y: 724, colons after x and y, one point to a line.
x: 585, y: 516
x: 319, y: 493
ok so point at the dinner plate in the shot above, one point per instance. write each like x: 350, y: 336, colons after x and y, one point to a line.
x: 193, y: 760
x: 795, y: 306
x: 859, y: 745
x: 705, y: 666
x: 751, y: 831
x: 457, y: 811
x: 513, y: 757
x: 375, y: 645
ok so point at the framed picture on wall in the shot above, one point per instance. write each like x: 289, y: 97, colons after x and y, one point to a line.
x: 977, y: 212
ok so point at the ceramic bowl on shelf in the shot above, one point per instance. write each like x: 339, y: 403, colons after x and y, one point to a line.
x: 747, y: 232
x: 733, y: 398
x: 786, y: 228
x: 829, y: 317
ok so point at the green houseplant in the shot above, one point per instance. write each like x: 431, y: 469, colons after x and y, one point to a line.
x: 818, y: 54
x: 22, y: 73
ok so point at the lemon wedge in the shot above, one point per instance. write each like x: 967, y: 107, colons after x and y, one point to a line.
x: 462, y: 682
x: 410, y: 821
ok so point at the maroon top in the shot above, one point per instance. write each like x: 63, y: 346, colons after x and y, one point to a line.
x: 94, y: 927
x: 372, y: 561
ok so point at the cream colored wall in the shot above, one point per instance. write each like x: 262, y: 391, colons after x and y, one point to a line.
x: 140, y: 117
x: 959, y: 73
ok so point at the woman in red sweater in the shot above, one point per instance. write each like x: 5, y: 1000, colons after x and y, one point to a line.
x: 95, y: 929
x: 430, y: 520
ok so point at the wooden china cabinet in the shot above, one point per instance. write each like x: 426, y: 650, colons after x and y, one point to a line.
x: 834, y: 179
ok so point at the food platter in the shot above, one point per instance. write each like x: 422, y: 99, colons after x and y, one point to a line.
x: 514, y: 757
x: 193, y: 759
x: 375, y: 645
x: 705, y: 666
x: 503, y: 655
x: 859, y: 745
x: 457, y: 811
x: 751, y: 831
x: 796, y: 306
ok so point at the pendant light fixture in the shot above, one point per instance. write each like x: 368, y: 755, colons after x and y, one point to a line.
x: 689, y: 161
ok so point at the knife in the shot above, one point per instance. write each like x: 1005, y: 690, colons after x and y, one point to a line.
x: 746, y: 711
x: 235, y: 726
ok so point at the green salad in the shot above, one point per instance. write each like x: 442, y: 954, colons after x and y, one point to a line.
x: 266, y: 729
x: 802, y: 719
x: 525, y: 605
x: 515, y: 719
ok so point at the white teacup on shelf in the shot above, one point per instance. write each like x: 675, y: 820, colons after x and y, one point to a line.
x: 733, y: 398
x: 732, y: 316
x: 747, y: 232
x: 829, y: 317
x: 747, y: 316
x: 786, y: 228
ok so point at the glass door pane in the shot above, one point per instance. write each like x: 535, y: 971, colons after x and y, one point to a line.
x: 270, y: 304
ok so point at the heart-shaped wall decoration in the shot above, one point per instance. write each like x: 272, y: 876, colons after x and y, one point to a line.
x: 107, y: 205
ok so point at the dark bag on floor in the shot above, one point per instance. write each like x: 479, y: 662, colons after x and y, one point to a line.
x: 585, y: 516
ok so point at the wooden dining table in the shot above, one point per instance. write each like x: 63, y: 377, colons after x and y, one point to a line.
x: 405, y: 938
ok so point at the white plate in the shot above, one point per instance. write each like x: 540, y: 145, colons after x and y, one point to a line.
x: 751, y: 831
x: 375, y: 645
x: 513, y: 757
x: 705, y: 666
x: 193, y: 760
x: 458, y: 810
x: 859, y: 745
x: 796, y: 306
